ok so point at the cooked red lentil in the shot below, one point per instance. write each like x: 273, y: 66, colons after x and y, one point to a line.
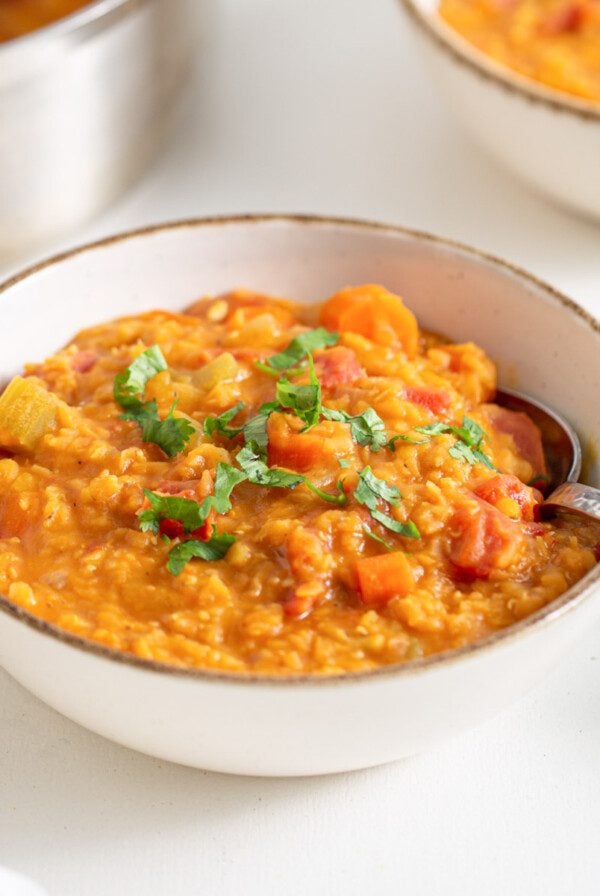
x: 334, y: 490
x: 556, y: 42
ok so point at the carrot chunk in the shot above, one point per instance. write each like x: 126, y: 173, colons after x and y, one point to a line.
x: 302, y: 451
x: 383, y: 577
x: 375, y: 313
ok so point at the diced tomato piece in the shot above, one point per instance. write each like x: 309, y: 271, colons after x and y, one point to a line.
x: 382, y: 577
x: 483, y: 539
x: 435, y: 400
x: 337, y: 366
x: 375, y: 313
x: 509, y: 495
x: 525, y: 434
x: 564, y: 20
x: 84, y: 360
x: 171, y: 528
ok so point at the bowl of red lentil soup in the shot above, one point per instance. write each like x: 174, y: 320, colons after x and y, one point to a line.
x: 523, y: 77
x: 259, y: 509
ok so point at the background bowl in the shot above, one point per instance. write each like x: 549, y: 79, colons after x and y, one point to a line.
x: 83, y: 106
x: 548, y: 138
x: 542, y: 342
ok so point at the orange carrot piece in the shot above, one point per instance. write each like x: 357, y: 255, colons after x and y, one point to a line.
x: 375, y: 313
x: 383, y: 577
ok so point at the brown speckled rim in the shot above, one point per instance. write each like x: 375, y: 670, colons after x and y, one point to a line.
x: 566, y: 603
x: 466, y: 54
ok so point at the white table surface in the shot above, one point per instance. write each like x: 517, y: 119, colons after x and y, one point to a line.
x: 323, y: 106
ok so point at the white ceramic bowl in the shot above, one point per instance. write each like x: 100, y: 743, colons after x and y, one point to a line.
x: 283, y: 725
x: 548, y: 138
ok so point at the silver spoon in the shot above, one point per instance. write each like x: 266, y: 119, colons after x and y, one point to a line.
x: 563, y: 457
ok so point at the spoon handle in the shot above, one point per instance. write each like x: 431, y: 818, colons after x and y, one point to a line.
x: 573, y: 496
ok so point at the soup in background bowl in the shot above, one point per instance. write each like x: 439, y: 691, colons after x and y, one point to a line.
x: 18, y: 17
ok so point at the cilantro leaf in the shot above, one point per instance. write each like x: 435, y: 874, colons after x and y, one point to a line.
x: 408, y: 530
x: 255, y: 430
x: 368, y: 492
x: 375, y: 537
x: 343, y: 462
x: 226, y: 479
x: 191, y: 514
x: 220, y: 424
x: 259, y: 473
x: 473, y: 456
x: 469, y: 439
x: 304, y: 400
x: 370, y: 489
x: 434, y: 429
x: 170, y: 434
x: 403, y: 438
x: 367, y: 428
x: 470, y: 432
x: 132, y: 381
x: 301, y: 346
x: 213, y: 549
x: 340, y: 498
x: 171, y: 507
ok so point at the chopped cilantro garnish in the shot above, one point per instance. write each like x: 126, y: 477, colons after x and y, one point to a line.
x: 340, y: 498
x: 213, y: 549
x: 343, y: 462
x: 221, y: 423
x: 408, y: 530
x: 470, y: 437
x: 375, y: 537
x: 297, y: 350
x: 131, y: 382
x: 170, y: 434
x: 368, y: 492
x: 367, y: 428
x: 259, y: 473
x: 370, y: 489
x: 191, y: 513
x: 255, y: 430
x: 434, y: 429
x: 403, y: 438
x: 473, y: 456
x: 170, y: 507
x: 304, y: 400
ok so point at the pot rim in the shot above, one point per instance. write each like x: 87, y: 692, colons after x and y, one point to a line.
x: 579, y: 593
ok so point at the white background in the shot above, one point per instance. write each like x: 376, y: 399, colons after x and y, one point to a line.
x: 323, y: 106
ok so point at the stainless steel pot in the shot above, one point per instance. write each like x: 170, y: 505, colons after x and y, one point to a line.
x: 83, y: 106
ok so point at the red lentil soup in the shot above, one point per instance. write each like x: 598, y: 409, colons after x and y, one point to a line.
x: 258, y: 485
x: 18, y: 17
x: 556, y: 42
